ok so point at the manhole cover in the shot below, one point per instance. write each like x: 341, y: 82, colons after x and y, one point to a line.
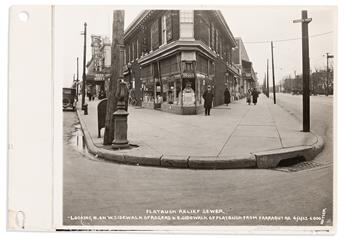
x: 299, y: 167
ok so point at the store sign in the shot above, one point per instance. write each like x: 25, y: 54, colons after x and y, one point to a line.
x: 188, y: 56
x: 99, y: 77
x: 188, y: 75
x: 201, y: 76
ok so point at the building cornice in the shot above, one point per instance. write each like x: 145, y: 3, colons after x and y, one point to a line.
x: 177, y: 46
x: 174, y: 46
x: 136, y: 22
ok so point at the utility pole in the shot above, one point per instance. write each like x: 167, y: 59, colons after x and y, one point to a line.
x: 117, y: 53
x: 77, y: 77
x: 328, y: 56
x: 274, y: 83
x: 306, y: 69
x: 84, y: 107
x: 268, y: 84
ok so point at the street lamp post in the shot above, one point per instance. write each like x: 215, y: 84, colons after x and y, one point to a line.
x: 84, y: 106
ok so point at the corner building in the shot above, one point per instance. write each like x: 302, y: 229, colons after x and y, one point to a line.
x: 171, y: 56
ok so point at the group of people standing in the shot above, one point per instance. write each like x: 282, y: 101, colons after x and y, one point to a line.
x: 208, y: 98
x: 252, y: 93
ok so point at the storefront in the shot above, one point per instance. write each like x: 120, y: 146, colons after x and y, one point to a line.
x: 174, y: 85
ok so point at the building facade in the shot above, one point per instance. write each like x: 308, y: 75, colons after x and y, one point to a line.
x: 98, y: 68
x: 171, y: 56
x: 241, y: 60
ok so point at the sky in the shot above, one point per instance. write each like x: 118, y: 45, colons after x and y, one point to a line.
x: 256, y: 25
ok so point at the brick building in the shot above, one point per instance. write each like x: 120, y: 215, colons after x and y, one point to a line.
x: 241, y: 59
x: 172, y: 55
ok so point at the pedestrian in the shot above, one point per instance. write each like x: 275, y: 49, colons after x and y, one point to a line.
x: 249, y: 97
x: 208, y: 98
x: 255, y: 96
x: 226, y: 96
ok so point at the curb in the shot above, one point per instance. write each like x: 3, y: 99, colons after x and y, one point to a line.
x: 271, y: 159
x: 261, y: 160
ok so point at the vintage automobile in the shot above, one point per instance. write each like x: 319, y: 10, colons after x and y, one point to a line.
x: 69, y: 98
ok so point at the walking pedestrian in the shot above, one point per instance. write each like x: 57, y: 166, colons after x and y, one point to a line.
x: 208, y: 98
x: 255, y: 96
x: 226, y: 96
x: 249, y: 96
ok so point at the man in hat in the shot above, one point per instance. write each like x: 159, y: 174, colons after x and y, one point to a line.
x: 208, y: 98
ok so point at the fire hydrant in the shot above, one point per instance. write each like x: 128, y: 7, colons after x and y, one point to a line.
x: 120, y: 120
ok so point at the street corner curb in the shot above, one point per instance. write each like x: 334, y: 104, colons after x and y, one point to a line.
x: 144, y: 159
x: 317, y: 147
x: 111, y: 156
x: 271, y: 159
x: 88, y: 140
x: 174, y: 161
x: 223, y: 162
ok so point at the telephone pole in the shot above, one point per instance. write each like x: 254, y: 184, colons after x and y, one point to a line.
x: 117, y: 53
x: 328, y: 56
x: 274, y: 83
x: 268, y: 84
x: 306, y: 69
x: 77, y: 77
x: 84, y: 107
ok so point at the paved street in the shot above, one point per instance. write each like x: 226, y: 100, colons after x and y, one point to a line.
x: 94, y: 187
x: 321, y: 119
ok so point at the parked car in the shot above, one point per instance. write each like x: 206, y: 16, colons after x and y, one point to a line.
x: 69, y: 98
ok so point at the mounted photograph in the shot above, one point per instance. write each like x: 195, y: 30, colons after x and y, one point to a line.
x: 197, y: 118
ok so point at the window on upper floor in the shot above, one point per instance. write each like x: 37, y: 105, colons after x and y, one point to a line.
x: 133, y: 51
x: 186, y: 24
x: 187, y: 16
x: 217, y: 41
x: 213, y: 46
x: 164, y: 30
x: 169, y: 26
x: 154, y: 35
x: 188, y: 66
x: 129, y: 54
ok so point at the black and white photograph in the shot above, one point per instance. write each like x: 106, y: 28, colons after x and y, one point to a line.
x: 197, y: 116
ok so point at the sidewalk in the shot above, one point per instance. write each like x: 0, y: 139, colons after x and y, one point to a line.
x: 237, y: 136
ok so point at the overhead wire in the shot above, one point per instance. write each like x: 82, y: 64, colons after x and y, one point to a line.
x: 289, y: 39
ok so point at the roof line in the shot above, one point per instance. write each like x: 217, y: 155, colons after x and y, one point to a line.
x: 223, y: 21
x: 136, y: 20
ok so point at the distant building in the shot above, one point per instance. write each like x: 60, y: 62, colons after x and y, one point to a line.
x: 241, y: 59
x: 172, y: 55
x: 98, y: 68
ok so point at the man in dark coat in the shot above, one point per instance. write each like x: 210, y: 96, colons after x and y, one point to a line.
x: 255, y: 96
x: 226, y: 96
x: 208, y: 98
